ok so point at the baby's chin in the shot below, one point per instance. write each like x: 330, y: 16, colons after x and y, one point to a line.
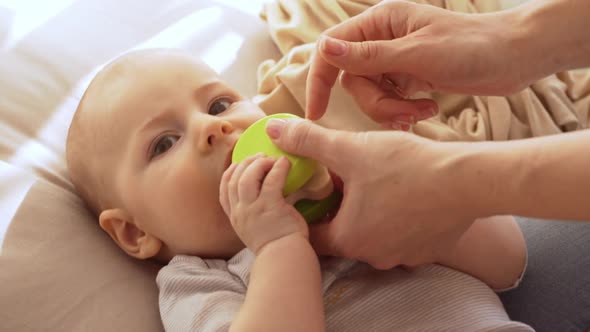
x: 227, y: 250
x: 234, y: 250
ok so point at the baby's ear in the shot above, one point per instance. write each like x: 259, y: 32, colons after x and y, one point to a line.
x: 133, y: 240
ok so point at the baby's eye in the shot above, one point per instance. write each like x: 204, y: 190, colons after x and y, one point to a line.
x: 219, y: 106
x: 162, y: 145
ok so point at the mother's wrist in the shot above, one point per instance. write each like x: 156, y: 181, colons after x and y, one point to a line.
x: 548, y: 36
x: 475, y: 176
x: 526, y: 50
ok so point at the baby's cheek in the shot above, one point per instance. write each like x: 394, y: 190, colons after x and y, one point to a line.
x: 248, y: 113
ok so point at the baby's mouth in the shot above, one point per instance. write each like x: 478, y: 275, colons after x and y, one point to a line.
x: 228, y: 159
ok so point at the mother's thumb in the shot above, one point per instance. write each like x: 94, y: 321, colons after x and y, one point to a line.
x: 371, y: 57
x: 320, y: 237
x: 303, y: 138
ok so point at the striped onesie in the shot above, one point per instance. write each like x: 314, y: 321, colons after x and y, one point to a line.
x: 205, y: 294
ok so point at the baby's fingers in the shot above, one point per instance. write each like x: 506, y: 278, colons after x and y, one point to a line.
x: 234, y: 197
x: 224, y: 188
x: 275, y: 179
x: 251, y: 180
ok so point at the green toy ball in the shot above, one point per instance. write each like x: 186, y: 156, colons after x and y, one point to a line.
x: 254, y: 140
x: 314, y: 211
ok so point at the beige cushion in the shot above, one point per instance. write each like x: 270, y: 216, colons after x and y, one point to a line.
x: 58, y: 270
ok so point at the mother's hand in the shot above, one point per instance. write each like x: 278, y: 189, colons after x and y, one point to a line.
x: 397, y: 48
x: 398, y: 205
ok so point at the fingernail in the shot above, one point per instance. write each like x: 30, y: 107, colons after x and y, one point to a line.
x: 333, y: 46
x: 402, y: 93
x: 274, y: 127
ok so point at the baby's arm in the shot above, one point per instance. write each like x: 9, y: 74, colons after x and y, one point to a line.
x: 207, y: 296
x: 492, y: 250
x: 284, y: 292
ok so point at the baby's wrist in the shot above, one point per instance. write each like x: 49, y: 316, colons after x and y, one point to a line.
x: 285, y: 243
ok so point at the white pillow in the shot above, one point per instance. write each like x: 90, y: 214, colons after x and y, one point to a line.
x: 58, y: 270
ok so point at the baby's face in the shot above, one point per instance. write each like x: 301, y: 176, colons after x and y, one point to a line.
x: 174, y: 125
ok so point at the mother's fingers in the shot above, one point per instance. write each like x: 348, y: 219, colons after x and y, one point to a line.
x: 408, y: 85
x: 368, y: 25
x: 383, y: 104
x: 320, y: 80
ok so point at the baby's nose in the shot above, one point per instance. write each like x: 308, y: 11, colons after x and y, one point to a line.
x: 214, y: 132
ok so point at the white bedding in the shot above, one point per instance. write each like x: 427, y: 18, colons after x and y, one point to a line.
x: 58, y: 271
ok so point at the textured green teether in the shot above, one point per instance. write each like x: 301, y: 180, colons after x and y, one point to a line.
x: 255, y: 140
x: 314, y: 211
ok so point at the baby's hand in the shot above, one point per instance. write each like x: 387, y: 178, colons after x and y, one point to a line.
x: 251, y: 194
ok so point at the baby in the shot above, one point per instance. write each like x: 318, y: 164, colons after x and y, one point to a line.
x: 149, y: 150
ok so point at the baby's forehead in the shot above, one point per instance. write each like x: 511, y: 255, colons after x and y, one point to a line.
x: 150, y: 66
x: 134, y: 86
x: 148, y: 73
x: 159, y: 62
x: 155, y: 73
